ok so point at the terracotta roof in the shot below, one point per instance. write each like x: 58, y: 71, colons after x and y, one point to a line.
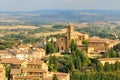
x: 3, y: 51
x: 15, y: 71
x: 95, y: 38
x: 27, y: 77
x: 32, y: 70
x: 36, y: 62
x: 23, y: 77
x: 16, y: 61
x: 11, y: 61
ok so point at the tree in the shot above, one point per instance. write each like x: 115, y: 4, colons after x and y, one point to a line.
x: 55, y: 77
x: 85, y: 42
x: 7, y: 70
x: 106, y: 55
x: 2, y: 47
x: 112, y: 66
x: 117, y: 65
x: 94, y: 67
x: 83, y: 58
x: 50, y: 47
x: 117, y: 47
x: 112, y: 53
x: 99, y: 67
x: 107, y: 67
x: 71, y: 65
x: 78, y: 63
x: 73, y: 46
x: 53, y: 65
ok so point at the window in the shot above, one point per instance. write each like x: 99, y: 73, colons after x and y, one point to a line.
x: 62, y: 48
x: 35, y: 66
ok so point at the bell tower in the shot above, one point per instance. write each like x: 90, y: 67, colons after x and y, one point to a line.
x: 69, y: 30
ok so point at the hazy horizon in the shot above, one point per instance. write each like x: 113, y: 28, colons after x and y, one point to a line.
x: 25, y: 5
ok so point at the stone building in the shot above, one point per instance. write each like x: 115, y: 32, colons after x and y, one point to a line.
x: 29, y: 70
x: 101, y: 45
x: 63, y: 43
x: 109, y: 60
x: 95, y: 44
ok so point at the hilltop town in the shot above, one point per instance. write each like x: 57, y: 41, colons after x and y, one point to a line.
x: 62, y: 57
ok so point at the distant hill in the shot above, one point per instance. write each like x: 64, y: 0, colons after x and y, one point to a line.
x: 58, y: 15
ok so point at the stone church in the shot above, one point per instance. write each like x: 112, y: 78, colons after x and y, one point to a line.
x: 63, y: 43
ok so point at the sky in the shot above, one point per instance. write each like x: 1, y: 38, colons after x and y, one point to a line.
x: 28, y: 5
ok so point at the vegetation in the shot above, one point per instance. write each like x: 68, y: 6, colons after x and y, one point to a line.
x: 55, y: 77
x: 76, y: 63
x: 95, y: 75
x: 117, y: 48
x: 7, y: 70
x: 103, y: 32
x: 42, y: 29
x: 83, y: 68
x: 73, y: 46
x: 50, y: 47
x: 5, y: 44
x: 113, y: 52
x: 53, y: 65
x: 59, y: 26
x: 22, y: 37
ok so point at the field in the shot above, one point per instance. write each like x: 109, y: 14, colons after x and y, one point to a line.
x: 17, y: 27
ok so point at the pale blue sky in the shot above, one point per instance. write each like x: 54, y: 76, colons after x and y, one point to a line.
x: 27, y: 5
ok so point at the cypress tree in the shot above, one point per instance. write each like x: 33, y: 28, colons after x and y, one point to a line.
x: 117, y: 65
x: 99, y: 67
x: 107, y: 67
x: 78, y: 63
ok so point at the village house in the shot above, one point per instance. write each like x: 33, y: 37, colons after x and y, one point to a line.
x: 25, y: 69
x: 100, y: 44
x: 31, y: 69
x: 38, y: 53
x: 28, y: 52
x: 6, y: 54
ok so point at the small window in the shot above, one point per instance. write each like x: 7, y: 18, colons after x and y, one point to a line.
x: 61, y: 48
